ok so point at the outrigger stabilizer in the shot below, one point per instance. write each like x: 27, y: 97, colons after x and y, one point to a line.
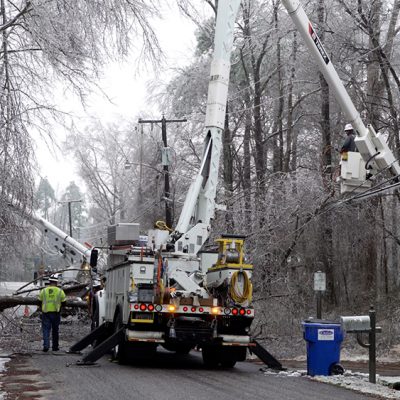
x: 106, y: 339
x: 103, y: 338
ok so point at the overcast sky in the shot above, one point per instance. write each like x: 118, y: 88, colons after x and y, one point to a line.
x: 126, y: 88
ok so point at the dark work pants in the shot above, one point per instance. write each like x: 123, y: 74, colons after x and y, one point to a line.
x: 50, y: 323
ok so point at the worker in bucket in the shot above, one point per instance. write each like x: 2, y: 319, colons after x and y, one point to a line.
x: 51, y: 298
x: 349, y: 143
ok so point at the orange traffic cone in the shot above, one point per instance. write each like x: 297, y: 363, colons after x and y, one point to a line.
x: 26, y: 311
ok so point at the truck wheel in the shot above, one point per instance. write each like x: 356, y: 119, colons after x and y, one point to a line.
x: 211, y: 357
x: 214, y: 356
x: 135, y: 351
x: 228, y: 363
x: 182, y: 349
x: 95, y: 314
x: 119, y: 351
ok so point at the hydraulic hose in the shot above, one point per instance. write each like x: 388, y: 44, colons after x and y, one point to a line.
x: 237, y: 295
x: 367, y: 167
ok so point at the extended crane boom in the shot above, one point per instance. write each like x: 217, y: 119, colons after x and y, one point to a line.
x: 193, y: 227
x: 374, y: 152
x: 65, y: 239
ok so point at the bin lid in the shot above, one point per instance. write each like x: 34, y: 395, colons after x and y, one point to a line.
x: 320, y: 321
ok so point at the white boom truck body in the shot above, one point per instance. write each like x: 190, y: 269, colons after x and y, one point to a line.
x: 168, y: 291
x: 373, y: 152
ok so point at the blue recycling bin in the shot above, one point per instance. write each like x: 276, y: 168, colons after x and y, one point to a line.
x: 323, y: 339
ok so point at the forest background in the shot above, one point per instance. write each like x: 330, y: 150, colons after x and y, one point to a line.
x: 280, y: 146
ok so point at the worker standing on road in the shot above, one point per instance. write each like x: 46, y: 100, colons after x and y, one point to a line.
x: 51, y: 298
x: 349, y: 144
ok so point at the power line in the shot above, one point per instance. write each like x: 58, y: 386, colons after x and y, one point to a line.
x: 164, y: 122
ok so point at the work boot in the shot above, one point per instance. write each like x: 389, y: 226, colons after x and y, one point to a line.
x: 45, y: 349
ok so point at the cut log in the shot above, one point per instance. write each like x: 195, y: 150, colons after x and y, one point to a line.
x: 67, y: 290
x: 13, y: 301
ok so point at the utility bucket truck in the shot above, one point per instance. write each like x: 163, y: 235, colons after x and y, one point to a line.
x: 170, y: 291
x: 79, y: 279
x: 373, y: 154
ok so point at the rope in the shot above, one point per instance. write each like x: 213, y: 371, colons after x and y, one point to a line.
x: 235, y: 293
x: 163, y: 226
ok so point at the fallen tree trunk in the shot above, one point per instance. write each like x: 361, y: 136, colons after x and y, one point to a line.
x: 13, y: 301
x: 67, y: 290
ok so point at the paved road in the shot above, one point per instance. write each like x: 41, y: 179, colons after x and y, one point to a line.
x: 166, y: 377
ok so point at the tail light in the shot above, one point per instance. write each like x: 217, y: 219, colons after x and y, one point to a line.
x: 185, y: 309
x: 248, y: 312
x: 150, y: 307
x: 235, y: 311
x: 227, y: 311
x: 171, y: 308
x: 136, y: 306
x: 143, y: 307
x: 201, y: 309
x: 193, y: 309
x: 242, y: 311
x: 215, y: 310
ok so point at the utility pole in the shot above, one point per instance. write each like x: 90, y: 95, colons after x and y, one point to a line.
x: 69, y: 212
x: 164, y: 122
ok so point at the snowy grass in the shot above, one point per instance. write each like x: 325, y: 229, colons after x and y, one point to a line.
x: 359, y: 382
x: 355, y: 381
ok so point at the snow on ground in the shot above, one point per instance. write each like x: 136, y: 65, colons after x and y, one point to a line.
x: 360, y: 383
x: 350, y: 380
x: 355, y: 381
x: 3, y: 361
x: 7, y: 289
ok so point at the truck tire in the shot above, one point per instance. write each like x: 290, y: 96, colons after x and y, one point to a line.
x: 95, y: 318
x: 178, y: 348
x: 183, y: 349
x: 231, y: 355
x: 211, y: 357
x: 135, y: 351
x: 119, y: 352
x: 226, y: 357
x: 228, y: 363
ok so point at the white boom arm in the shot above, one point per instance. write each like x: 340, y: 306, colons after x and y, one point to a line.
x: 372, y: 147
x: 193, y: 226
x: 64, y: 238
x: 68, y: 240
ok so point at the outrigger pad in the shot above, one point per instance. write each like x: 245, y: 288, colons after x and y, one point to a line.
x: 266, y: 357
x: 84, y: 364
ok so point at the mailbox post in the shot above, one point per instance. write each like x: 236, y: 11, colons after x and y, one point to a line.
x: 364, y: 324
x: 372, y: 346
x: 319, y: 288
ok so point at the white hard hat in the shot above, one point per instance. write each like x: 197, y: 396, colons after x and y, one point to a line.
x: 348, y: 127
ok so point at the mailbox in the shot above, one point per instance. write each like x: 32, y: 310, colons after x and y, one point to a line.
x: 356, y: 323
